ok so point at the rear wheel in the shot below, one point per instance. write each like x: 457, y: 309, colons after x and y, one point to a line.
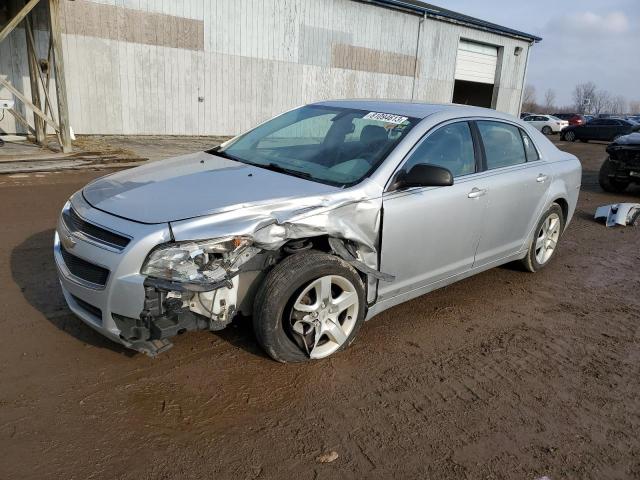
x: 545, y: 241
x: 607, y: 183
x: 570, y: 136
x: 547, y: 130
x: 309, y: 306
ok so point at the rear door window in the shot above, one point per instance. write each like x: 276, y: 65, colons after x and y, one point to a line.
x: 503, y: 144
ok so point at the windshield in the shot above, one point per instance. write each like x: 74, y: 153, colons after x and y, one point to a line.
x: 337, y: 146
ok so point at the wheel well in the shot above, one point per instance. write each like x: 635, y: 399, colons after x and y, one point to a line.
x: 564, y: 205
x: 320, y: 243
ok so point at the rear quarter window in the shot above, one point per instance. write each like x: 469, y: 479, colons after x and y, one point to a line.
x: 529, y: 148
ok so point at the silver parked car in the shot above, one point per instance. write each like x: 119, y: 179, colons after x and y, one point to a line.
x: 312, y: 223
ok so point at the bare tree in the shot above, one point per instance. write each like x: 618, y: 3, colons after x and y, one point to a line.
x: 529, y: 98
x: 634, y: 106
x: 549, y: 100
x: 619, y: 105
x: 601, y: 102
x: 583, y: 96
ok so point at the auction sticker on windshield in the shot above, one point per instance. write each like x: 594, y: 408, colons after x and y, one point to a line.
x: 385, y: 117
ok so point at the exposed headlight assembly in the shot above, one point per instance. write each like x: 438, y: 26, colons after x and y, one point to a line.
x: 203, y: 263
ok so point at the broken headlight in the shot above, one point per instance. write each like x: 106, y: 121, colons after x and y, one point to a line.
x: 199, y: 262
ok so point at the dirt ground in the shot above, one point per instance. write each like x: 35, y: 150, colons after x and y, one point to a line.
x: 503, y: 375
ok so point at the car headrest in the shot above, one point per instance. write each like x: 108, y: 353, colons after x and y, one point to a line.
x: 373, y: 134
x: 500, y: 137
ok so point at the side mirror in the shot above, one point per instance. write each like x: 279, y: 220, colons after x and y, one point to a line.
x: 424, y: 175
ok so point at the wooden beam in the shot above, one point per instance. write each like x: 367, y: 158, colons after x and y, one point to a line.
x: 13, y: 23
x: 46, y: 88
x: 61, y: 84
x: 45, y: 85
x: 22, y: 120
x: 34, y: 70
x: 27, y: 103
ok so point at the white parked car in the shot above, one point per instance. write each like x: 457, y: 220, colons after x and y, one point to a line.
x: 547, y: 124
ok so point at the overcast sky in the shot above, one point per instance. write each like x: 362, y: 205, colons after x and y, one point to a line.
x: 596, y: 40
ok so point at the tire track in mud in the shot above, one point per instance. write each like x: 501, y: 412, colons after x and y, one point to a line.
x: 518, y: 371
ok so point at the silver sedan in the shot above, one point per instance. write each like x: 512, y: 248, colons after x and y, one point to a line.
x: 312, y: 223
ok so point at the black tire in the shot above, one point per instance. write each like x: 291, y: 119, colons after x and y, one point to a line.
x: 530, y: 263
x: 547, y: 130
x: 607, y: 183
x: 569, y: 136
x: 278, y: 291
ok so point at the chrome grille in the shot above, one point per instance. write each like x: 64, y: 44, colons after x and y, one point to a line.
x: 84, y: 270
x: 98, y: 234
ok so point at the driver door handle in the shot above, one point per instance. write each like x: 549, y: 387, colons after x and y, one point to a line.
x: 477, y: 192
x: 542, y: 178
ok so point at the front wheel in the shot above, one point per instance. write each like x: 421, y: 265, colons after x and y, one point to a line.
x: 570, y: 136
x: 607, y: 183
x: 545, y: 241
x: 309, y: 306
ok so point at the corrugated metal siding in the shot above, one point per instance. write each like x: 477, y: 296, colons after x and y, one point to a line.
x: 256, y: 58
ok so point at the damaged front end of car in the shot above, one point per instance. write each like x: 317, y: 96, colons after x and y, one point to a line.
x: 189, y: 286
x: 201, y: 285
x: 624, y: 159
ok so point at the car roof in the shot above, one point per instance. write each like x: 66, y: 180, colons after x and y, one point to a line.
x: 413, y: 109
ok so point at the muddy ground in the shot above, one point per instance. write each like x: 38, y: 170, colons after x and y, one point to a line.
x: 504, y: 375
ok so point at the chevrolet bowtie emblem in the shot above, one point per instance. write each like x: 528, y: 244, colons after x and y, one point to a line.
x: 67, y: 240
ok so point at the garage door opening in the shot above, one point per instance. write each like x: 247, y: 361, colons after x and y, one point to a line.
x: 476, y: 66
x: 473, y: 93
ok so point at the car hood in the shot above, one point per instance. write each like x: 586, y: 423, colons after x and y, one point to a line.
x: 631, y: 139
x: 194, y: 185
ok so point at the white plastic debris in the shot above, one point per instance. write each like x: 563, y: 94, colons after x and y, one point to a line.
x: 619, y: 214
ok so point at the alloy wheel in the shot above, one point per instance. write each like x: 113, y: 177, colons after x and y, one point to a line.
x: 547, y: 238
x: 324, y: 314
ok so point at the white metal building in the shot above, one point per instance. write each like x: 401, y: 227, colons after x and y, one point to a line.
x: 218, y: 67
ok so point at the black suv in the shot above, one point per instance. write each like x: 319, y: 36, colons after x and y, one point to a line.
x: 622, y: 167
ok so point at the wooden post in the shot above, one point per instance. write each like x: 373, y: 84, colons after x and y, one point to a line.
x: 61, y: 84
x: 34, y: 70
x: 45, y: 84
